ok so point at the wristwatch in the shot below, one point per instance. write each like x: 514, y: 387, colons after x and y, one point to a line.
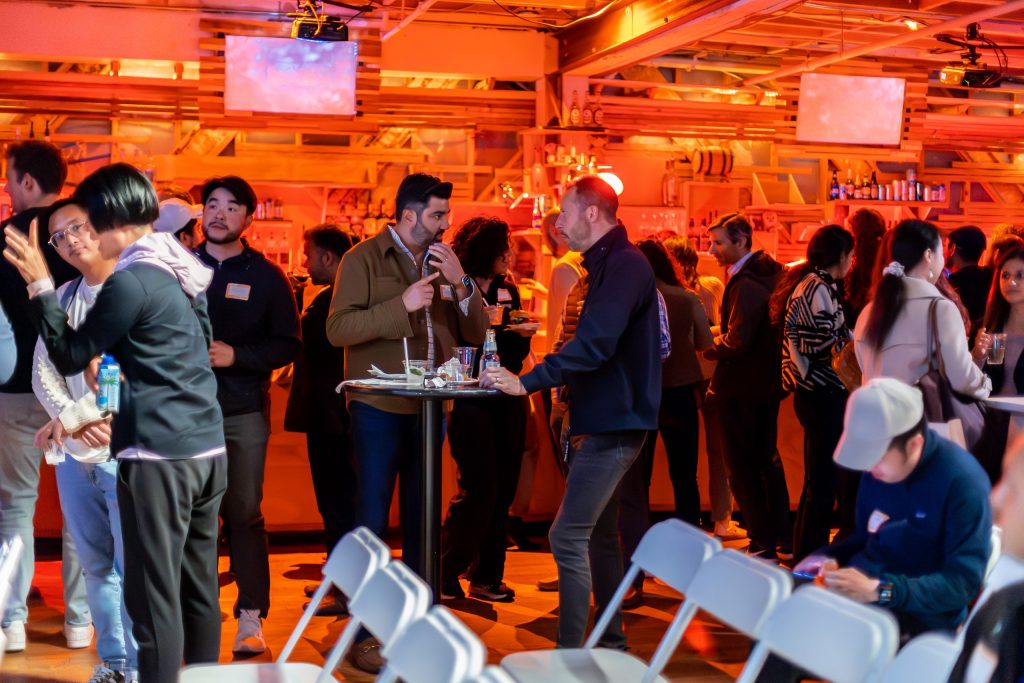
x: 884, y: 592
x: 467, y: 282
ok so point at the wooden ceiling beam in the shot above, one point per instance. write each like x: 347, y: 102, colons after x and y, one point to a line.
x: 644, y: 29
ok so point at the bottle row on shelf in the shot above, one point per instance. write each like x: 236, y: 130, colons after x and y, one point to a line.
x: 908, y: 189
x: 590, y: 115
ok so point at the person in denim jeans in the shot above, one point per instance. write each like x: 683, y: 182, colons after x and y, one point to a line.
x: 86, y: 472
x: 612, y: 367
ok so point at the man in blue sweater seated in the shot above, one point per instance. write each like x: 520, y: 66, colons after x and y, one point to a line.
x: 924, y: 525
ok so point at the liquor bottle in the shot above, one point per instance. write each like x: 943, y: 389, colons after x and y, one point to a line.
x: 834, y: 189
x: 874, y: 186
x: 858, y: 191
x: 587, y: 115
x: 490, y: 352
x: 574, y: 111
x: 865, y: 189
x: 278, y: 209
x: 669, y: 185
x: 108, y: 395
x: 537, y: 218
x: 598, y: 115
x: 849, y: 183
x: 538, y: 175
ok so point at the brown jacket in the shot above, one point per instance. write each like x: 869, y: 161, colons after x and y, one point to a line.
x: 368, y: 318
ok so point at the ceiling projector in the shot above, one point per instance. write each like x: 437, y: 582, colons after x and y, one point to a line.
x: 970, y: 76
x: 325, y: 29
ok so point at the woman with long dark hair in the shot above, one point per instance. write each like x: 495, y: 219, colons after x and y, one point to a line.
x: 868, y: 228
x: 807, y: 305
x: 892, y: 333
x: 1004, y: 314
x: 486, y: 435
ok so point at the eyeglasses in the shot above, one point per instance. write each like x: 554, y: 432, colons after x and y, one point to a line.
x: 60, y: 238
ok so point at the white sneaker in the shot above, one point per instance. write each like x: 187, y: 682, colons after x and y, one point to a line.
x: 14, y: 633
x: 729, y: 531
x: 249, y: 639
x: 78, y: 637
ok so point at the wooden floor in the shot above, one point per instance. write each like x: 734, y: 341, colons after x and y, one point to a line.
x: 710, y: 651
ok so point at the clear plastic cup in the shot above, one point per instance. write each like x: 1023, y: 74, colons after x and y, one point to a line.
x: 416, y: 371
x: 466, y: 355
x: 997, y: 353
x: 494, y: 314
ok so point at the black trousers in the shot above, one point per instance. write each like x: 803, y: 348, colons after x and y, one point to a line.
x: 246, y: 438
x: 487, y: 438
x: 749, y: 429
x: 169, y: 524
x: 821, y: 415
x: 334, y: 483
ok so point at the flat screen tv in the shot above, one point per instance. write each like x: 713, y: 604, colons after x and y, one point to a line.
x: 855, y: 110
x: 287, y: 76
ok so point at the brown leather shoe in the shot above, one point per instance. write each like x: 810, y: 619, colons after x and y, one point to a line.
x: 549, y: 586
x: 634, y: 598
x: 366, y: 656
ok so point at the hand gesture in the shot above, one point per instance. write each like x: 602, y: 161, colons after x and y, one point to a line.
x: 24, y: 252
x: 221, y: 355
x: 445, y: 260
x: 502, y: 380
x: 852, y: 583
x: 419, y: 294
x: 53, y: 429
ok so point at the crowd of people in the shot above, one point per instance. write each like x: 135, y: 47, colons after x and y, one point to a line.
x: 862, y: 333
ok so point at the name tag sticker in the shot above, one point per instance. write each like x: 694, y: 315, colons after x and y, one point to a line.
x: 876, y: 520
x: 237, y: 291
x: 504, y: 296
x: 447, y: 293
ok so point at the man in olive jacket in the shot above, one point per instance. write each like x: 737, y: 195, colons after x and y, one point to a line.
x: 402, y: 283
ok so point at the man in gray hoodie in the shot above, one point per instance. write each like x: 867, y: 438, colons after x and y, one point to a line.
x: 168, y: 436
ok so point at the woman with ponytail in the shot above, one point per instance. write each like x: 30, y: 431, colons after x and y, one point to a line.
x: 807, y: 305
x: 892, y: 333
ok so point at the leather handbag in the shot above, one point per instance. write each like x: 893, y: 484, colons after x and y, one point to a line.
x: 941, y: 402
x: 846, y: 367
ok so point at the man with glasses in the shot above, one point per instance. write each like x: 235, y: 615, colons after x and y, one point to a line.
x: 255, y: 330
x: 36, y: 172
x: 401, y: 283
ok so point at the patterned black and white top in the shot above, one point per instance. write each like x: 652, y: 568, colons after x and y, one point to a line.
x: 813, y: 327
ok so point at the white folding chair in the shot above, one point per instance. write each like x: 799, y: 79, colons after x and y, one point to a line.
x: 493, y: 674
x: 437, y: 648
x: 830, y: 636
x: 10, y: 552
x: 356, y: 565
x: 926, y: 659
x: 673, y: 551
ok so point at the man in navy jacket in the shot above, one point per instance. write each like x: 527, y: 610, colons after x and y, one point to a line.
x: 612, y: 367
x: 924, y: 525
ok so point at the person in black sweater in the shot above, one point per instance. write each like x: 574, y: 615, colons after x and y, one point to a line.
x: 168, y: 436
x: 964, y: 248
x: 255, y: 330
x: 487, y: 436
x: 612, y: 367
x: 314, y: 405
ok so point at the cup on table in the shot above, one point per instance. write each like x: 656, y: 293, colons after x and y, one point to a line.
x: 997, y: 352
x: 494, y: 314
x: 466, y: 355
x: 416, y: 371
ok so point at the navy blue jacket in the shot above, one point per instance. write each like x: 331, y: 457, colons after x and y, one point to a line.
x: 612, y: 365
x: 935, y: 544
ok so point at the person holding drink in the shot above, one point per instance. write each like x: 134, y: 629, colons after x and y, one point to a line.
x: 998, y: 346
x: 487, y: 434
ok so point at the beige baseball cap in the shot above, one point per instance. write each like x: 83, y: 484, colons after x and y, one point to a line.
x: 876, y: 413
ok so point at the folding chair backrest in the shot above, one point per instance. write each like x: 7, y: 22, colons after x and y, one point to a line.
x: 996, y: 552
x: 673, y: 551
x: 353, y: 561
x: 437, y: 648
x: 390, y: 600
x: 493, y: 674
x: 925, y: 659
x: 10, y: 551
x: 830, y: 636
x: 740, y: 590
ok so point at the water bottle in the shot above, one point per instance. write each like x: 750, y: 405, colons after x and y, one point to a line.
x: 490, y: 356
x: 108, y: 397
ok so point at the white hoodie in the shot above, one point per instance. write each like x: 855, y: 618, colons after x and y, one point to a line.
x: 164, y: 251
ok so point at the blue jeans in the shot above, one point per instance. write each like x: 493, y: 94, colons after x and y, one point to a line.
x: 585, y: 536
x: 88, y: 498
x: 387, y: 445
x: 20, y: 417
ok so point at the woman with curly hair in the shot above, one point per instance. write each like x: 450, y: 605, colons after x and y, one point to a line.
x: 486, y: 435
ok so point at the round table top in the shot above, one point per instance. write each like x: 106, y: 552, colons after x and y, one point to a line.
x: 389, y: 388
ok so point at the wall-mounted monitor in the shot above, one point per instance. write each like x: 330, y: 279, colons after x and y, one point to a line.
x: 287, y: 76
x: 855, y: 110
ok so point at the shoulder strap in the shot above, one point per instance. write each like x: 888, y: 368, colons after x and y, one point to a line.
x: 69, y: 293
x: 934, y: 348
